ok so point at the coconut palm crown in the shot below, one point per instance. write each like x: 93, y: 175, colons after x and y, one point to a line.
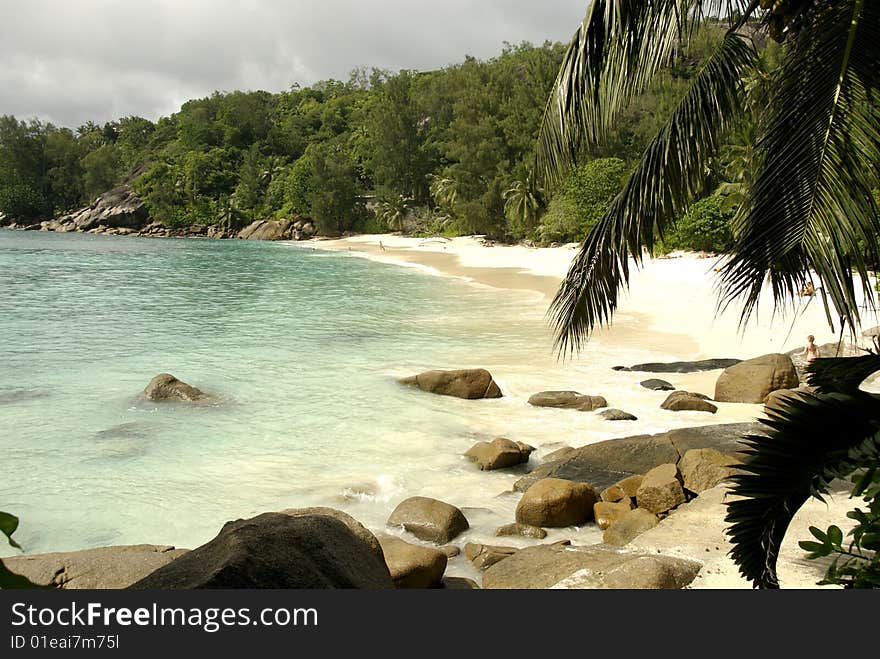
x: 809, y: 205
x: 807, y: 208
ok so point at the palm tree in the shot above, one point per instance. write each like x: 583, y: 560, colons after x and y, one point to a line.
x: 808, y: 206
x: 394, y: 211
x: 523, y: 201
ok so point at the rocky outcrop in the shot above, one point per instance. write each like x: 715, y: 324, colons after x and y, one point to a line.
x: 680, y: 367
x: 550, y: 566
x: 117, y: 208
x: 617, y: 415
x: 623, y: 489
x: 298, y: 229
x: 429, y: 519
x: 103, y: 568
x: 413, y: 566
x: 521, y: 530
x: 661, y: 489
x: 680, y: 401
x: 469, y: 383
x: 276, y: 551
x: 704, y: 468
x: 166, y: 387
x: 553, y: 502
x: 571, y: 400
x: 657, y: 385
x: 752, y: 380
x: 499, y: 454
x: 605, y: 463
x: 827, y: 350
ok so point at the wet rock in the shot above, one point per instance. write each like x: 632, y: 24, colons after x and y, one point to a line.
x: 680, y: 401
x: 571, y: 400
x: 413, y: 566
x: 680, y: 367
x: 353, y: 525
x: 165, y: 387
x: 499, y: 454
x: 617, y: 415
x: 429, y: 519
x: 657, y: 385
x: 522, y: 530
x: 470, y: 383
x: 483, y: 557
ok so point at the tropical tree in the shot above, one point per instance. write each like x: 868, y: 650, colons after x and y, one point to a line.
x: 523, y: 202
x: 394, y: 211
x: 808, y: 208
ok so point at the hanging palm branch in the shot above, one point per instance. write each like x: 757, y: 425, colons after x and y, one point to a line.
x: 812, y: 439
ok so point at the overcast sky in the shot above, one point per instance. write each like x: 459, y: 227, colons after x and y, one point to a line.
x: 68, y: 61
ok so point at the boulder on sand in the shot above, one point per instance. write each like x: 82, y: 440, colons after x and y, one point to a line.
x: 704, y: 468
x: 628, y: 526
x: 468, y: 383
x: 661, y: 489
x: 499, y: 454
x: 166, y: 387
x: 571, y: 400
x: 606, y: 513
x: 276, y: 551
x: 429, y: 519
x: 751, y: 381
x: 657, y: 385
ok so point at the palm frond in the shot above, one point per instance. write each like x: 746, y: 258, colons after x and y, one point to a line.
x: 811, y: 441
x: 671, y: 173
x: 841, y: 375
x: 810, y: 206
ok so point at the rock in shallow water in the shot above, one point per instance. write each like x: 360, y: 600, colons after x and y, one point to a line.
x: 571, y: 400
x: 165, y: 387
x: 752, y: 380
x: 499, y: 454
x: 429, y: 519
x: 553, y: 502
x: 413, y: 566
x: 469, y: 383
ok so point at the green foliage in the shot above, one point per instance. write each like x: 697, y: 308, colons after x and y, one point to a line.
x: 582, y: 199
x: 706, y: 227
x: 856, y: 563
x: 335, y: 196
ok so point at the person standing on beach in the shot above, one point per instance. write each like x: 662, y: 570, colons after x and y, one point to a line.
x: 811, y: 350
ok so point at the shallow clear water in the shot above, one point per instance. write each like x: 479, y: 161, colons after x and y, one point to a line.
x: 302, y: 349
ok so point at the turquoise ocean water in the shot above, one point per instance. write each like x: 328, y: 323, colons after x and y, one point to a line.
x: 302, y: 349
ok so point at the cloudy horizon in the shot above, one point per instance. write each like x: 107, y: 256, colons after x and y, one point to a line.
x: 99, y: 60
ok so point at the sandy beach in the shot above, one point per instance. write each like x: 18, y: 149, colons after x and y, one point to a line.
x: 671, y: 309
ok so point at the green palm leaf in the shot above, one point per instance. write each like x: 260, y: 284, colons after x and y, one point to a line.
x: 811, y: 440
x: 811, y: 203
x: 671, y: 173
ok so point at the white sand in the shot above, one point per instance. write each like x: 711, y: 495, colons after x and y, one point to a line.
x: 670, y: 308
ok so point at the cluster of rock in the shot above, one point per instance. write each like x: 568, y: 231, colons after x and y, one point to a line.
x: 121, y: 212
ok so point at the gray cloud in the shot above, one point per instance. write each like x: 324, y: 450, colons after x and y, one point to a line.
x: 75, y: 60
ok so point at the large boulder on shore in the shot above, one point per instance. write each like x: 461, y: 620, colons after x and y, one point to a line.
x: 629, y: 526
x: 595, y: 567
x: 570, y: 400
x: 553, y: 502
x: 471, y: 383
x: 499, y: 454
x: 704, y: 468
x: 751, y: 381
x: 117, y: 208
x: 353, y: 525
x: 276, y: 551
x: 109, y: 568
x: 429, y: 519
x: 165, y: 387
x: 605, y: 463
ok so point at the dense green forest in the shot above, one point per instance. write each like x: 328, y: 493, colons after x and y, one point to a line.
x: 442, y: 152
